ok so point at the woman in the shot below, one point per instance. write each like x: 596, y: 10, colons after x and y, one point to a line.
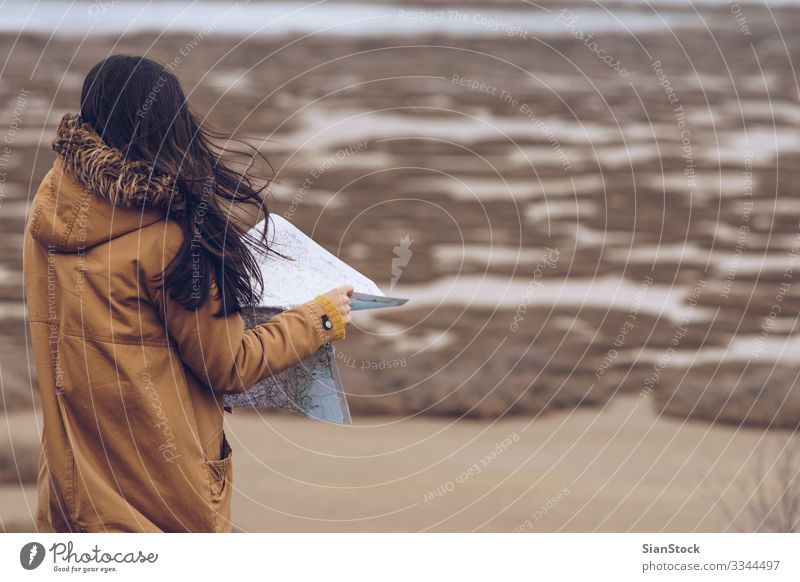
x: 135, y: 277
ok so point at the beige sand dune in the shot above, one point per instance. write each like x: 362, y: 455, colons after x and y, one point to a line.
x: 618, y: 469
x: 614, y: 470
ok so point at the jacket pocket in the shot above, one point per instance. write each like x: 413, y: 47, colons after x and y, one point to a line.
x: 220, y: 475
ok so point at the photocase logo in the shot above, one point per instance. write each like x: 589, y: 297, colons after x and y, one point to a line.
x: 402, y: 254
x: 31, y: 555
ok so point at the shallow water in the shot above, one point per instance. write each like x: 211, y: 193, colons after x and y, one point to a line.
x: 351, y: 19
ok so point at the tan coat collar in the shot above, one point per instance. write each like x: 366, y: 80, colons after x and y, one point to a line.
x: 106, y: 171
x: 93, y: 194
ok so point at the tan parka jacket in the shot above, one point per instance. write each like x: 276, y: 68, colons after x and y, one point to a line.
x: 131, y: 382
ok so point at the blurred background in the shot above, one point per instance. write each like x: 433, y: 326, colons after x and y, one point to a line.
x: 591, y: 205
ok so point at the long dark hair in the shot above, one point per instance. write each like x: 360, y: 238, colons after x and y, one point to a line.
x: 138, y: 106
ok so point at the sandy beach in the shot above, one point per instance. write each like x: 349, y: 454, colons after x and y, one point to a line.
x: 599, y: 255
x: 617, y: 469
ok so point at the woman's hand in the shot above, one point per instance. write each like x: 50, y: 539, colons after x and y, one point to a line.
x: 341, y: 298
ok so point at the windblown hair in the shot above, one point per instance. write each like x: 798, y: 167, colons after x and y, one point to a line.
x: 164, y: 157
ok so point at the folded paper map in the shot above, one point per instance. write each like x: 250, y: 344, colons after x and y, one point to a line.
x: 312, y: 387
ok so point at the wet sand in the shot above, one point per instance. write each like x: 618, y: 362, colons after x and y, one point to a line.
x: 482, y: 153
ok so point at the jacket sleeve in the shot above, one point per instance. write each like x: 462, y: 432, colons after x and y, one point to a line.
x: 229, y: 358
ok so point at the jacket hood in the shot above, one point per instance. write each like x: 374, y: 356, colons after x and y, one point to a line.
x: 93, y: 194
